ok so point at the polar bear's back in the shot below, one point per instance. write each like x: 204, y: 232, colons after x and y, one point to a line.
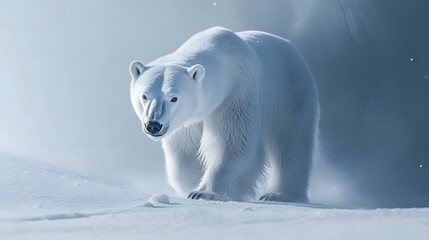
x: 276, y: 57
x: 216, y: 45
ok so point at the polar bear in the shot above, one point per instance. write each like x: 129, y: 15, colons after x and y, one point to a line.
x: 229, y: 109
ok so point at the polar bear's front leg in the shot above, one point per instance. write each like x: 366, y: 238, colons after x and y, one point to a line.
x: 232, y: 154
x: 184, y: 169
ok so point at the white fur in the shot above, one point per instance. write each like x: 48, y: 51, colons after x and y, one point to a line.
x: 246, y: 102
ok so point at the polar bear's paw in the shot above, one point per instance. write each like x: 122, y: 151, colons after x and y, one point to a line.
x: 204, y: 195
x: 281, y: 197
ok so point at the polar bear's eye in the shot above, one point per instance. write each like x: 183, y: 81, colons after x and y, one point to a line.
x: 144, y: 97
x: 174, y: 99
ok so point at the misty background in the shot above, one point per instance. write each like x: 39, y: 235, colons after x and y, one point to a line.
x: 64, y: 86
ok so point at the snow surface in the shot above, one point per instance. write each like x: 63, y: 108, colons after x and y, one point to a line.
x: 38, y: 201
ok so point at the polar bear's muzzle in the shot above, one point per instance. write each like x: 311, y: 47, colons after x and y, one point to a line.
x: 154, y: 129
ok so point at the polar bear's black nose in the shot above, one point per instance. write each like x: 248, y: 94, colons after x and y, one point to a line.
x: 153, y: 127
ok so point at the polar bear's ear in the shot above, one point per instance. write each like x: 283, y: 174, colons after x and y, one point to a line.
x: 136, y: 69
x: 196, y: 72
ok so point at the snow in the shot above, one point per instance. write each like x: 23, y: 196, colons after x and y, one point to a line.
x: 38, y: 201
x: 159, y: 198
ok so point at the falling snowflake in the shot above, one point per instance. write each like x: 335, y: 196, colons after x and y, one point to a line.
x: 214, y: 4
x: 421, y: 165
x: 411, y: 59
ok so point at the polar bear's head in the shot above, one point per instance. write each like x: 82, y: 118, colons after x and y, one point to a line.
x: 164, y: 96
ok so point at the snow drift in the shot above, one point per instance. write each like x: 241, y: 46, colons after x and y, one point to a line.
x: 38, y: 201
